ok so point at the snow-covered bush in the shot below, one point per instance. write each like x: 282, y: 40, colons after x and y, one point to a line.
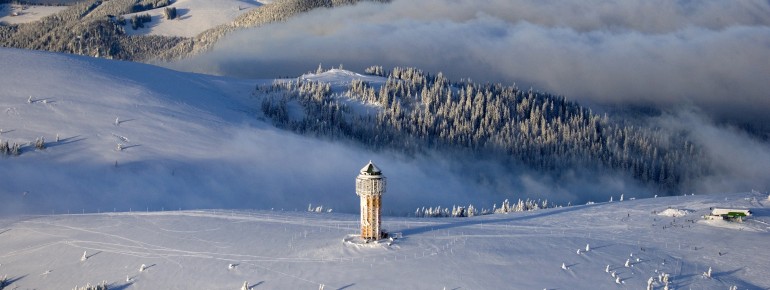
x: 471, y: 210
x: 40, y: 143
x: 170, y: 12
x: 317, y: 209
x: 102, y: 286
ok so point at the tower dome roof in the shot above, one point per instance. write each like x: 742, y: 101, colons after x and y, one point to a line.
x: 370, y: 169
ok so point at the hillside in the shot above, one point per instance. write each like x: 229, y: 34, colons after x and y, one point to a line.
x: 185, y: 140
x: 106, y: 28
x: 194, y: 17
x: 220, y: 249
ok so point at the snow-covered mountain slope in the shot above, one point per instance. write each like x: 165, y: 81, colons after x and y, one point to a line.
x: 18, y: 13
x: 194, y: 17
x: 187, y: 140
x: 296, y: 250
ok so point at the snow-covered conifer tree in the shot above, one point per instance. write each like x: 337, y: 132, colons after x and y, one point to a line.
x: 245, y: 285
x: 563, y: 266
x: 84, y: 257
x: 649, y: 283
x: 628, y: 263
x: 588, y: 247
x: 607, y: 270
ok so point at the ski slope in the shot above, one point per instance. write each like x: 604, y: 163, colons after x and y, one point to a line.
x: 220, y: 249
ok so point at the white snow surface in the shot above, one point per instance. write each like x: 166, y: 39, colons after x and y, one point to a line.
x: 297, y: 250
x: 673, y: 212
x: 193, y: 17
x: 342, y: 78
x: 26, y: 13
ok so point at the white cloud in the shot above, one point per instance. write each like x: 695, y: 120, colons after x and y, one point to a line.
x: 711, y: 54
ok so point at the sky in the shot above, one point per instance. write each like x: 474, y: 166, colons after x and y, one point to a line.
x: 711, y: 55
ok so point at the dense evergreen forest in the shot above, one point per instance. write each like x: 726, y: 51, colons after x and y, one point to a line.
x: 96, y: 28
x: 414, y: 111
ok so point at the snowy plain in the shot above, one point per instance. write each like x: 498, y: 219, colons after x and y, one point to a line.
x: 220, y: 249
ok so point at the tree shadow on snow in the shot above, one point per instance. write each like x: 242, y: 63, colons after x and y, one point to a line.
x: 116, y: 286
x: 182, y: 13
x: 760, y: 211
x: 65, y: 141
x: 94, y: 254
x: 12, y: 280
x: 251, y: 2
x: 257, y: 284
x: 124, y: 121
x: 474, y: 221
x: 346, y: 286
x: 131, y: 146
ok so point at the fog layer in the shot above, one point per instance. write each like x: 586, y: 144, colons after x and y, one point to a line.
x: 714, y: 55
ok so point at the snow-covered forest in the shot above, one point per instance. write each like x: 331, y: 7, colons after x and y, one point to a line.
x: 97, y: 28
x: 413, y: 111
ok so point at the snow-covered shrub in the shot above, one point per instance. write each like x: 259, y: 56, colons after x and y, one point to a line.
x: 137, y: 21
x: 649, y: 283
x: 40, y: 143
x: 170, y: 12
x: 317, y: 209
x: 15, y: 149
x: 375, y: 70
x: 102, y: 286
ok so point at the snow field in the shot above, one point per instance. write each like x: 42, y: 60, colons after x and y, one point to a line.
x: 219, y: 249
x: 194, y: 17
x: 17, y: 14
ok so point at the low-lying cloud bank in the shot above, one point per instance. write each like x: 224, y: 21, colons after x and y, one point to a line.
x: 713, y: 55
x: 265, y: 168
